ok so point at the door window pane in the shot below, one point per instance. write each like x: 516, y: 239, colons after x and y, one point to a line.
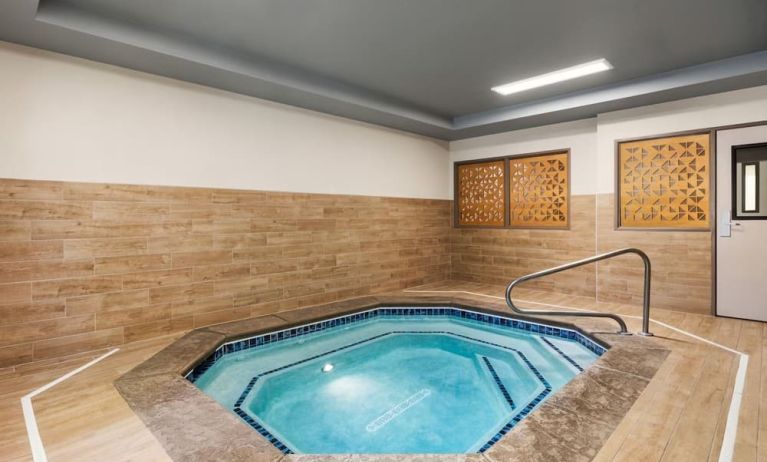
x: 749, y: 191
x: 750, y: 172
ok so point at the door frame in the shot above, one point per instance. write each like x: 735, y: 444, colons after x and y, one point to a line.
x: 715, y: 213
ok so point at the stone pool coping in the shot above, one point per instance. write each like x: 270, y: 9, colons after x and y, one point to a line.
x: 572, y: 424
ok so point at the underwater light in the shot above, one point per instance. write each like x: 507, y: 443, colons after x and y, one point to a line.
x: 327, y: 367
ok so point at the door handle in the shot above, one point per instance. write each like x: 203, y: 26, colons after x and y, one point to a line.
x: 725, y: 224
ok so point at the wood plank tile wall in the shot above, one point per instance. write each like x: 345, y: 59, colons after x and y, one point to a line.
x: 681, y: 259
x: 89, y: 266
x: 496, y: 256
x: 681, y: 264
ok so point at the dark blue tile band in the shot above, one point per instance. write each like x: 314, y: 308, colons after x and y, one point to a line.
x: 562, y: 354
x: 498, y: 321
x: 500, y: 384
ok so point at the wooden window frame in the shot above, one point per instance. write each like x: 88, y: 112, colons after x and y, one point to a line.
x: 618, y: 226
x: 507, y: 196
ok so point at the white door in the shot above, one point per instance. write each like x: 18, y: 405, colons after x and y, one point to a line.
x: 741, y: 225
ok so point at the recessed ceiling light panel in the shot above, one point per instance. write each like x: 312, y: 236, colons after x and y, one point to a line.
x: 591, y: 67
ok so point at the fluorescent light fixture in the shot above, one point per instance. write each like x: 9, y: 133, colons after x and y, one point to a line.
x: 591, y: 67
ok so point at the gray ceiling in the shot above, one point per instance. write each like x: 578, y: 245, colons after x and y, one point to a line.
x: 425, y: 66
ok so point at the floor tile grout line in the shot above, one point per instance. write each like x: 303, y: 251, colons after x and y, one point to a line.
x: 33, y: 432
x: 731, y: 427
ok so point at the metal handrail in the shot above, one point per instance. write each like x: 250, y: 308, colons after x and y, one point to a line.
x: 590, y: 314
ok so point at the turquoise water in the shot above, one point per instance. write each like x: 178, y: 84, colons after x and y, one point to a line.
x: 394, y: 385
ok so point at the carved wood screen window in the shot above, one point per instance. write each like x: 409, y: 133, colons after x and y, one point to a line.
x: 539, y: 190
x: 481, y: 191
x: 665, y: 182
x: 529, y: 191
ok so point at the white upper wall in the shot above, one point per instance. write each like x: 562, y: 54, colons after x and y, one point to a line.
x: 578, y: 136
x: 69, y: 119
x: 64, y: 118
x: 592, y: 141
x: 730, y: 108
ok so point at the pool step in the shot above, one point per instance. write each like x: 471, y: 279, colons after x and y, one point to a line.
x: 498, y: 383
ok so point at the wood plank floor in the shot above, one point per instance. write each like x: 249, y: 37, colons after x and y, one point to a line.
x: 681, y: 415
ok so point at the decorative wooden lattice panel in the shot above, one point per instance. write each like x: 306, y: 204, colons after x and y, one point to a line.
x: 481, y: 193
x: 539, y: 190
x: 664, y: 182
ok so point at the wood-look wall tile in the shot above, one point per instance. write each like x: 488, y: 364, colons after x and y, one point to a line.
x: 153, y: 329
x: 221, y: 226
x: 105, y: 192
x: 127, y: 317
x: 241, y: 286
x: 132, y: 263
x: 239, y: 241
x: 25, y: 312
x: 296, y: 238
x: 15, y: 230
x: 216, y: 272
x: 89, y: 248
x: 30, y: 189
x: 151, y: 279
x: 270, y: 211
x: 68, y: 229
x: 131, y: 212
x: 218, y: 317
x: 16, y: 354
x: 200, y: 211
x: 181, y: 293
x: 238, y: 197
x: 180, y: 243
x: 63, y: 288
x: 681, y: 265
x: 112, y: 301
x: 266, y: 224
x: 300, y: 290
x: 202, y: 305
x: 201, y: 258
x: 298, y: 251
x: 256, y: 254
x: 30, y: 250
x: 134, y: 193
x: 44, y: 269
x: 36, y: 330
x: 274, y: 266
x: 121, y: 251
x: 258, y: 296
x: 317, y: 224
x: 44, y: 210
x: 16, y: 293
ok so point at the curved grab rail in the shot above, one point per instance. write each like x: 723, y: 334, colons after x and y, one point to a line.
x: 590, y: 314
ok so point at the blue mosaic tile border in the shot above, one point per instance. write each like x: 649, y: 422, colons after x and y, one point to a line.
x: 503, y: 431
x: 383, y: 312
x: 562, y: 354
x: 498, y: 383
